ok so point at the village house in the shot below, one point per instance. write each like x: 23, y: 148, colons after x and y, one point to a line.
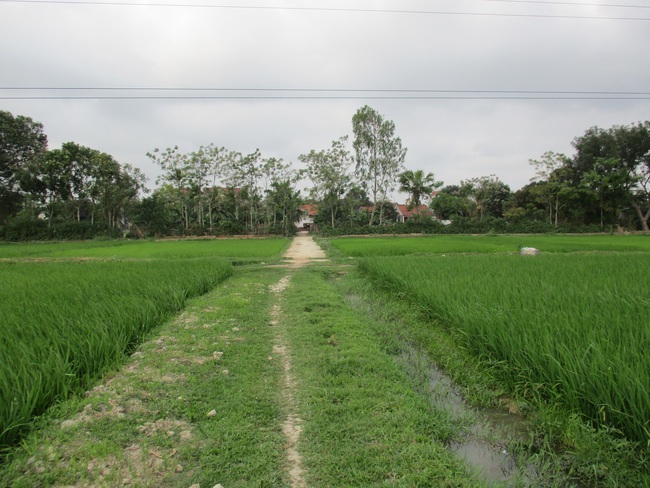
x: 307, y: 214
x: 404, y: 214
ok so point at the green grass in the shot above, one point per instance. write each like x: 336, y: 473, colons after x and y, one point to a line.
x: 400, y: 246
x: 147, y: 425
x: 147, y: 249
x: 64, y: 323
x: 364, y: 422
x: 572, y: 329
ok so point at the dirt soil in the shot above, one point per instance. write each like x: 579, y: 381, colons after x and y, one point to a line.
x: 304, y: 250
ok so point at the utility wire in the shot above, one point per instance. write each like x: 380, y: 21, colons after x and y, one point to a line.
x: 327, y: 9
x: 333, y: 97
x: 326, y: 92
x: 571, y: 4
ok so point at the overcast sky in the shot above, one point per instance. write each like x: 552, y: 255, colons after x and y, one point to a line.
x: 453, y: 48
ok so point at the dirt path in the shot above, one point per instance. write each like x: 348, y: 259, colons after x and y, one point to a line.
x: 303, y: 250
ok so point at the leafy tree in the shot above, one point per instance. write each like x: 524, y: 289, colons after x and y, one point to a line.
x: 611, y: 164
x: 21, y: 141
x: 352, y: 205
x: 610, y: 182
x: 328, y: 171
x: 155, y: 214
x: 379, y: 154
x: 176, y: 174
x: 273, y: 172
x: 451, y: 202
x: 553, y: 174
x: 489, y: 194
x: 48, y: 177
x: 119, y: 194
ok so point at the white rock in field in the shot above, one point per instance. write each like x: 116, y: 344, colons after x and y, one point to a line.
x: 217, y: 355
x: 219, y: 485
x: 212, y: 413
x: 67, y: 424
x: 529, y: 251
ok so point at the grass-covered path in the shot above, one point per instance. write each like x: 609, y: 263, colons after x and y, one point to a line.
x: 271, y: 379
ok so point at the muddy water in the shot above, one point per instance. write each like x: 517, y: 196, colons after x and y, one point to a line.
x: 483, y: 446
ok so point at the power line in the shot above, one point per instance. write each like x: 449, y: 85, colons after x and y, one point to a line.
x: 331, y: 97
x: 327, y: 9
x: 572, y: 4
x: 349, y: 91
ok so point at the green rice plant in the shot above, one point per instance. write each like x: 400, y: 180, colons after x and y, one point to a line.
x: 162, y: 249
x: 571, y: 328
x: 401, y: 246
x: 63, y: 323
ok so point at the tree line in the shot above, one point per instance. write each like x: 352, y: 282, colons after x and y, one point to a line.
x: 79, y: 192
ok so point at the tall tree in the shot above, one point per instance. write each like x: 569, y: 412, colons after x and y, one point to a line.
x: 48, y: 177
x: 176, y: 174
x: 611, y: 163
x: 21, y: 141
x: 328, y: 170
x: 379, y: 154
x: 552, y: 172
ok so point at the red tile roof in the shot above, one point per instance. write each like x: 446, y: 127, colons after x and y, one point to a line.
x: 420, y: 210
x: 311, y: 210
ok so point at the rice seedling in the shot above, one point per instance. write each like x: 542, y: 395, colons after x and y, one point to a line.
x: 571, y: 329
x: 65, y: 322
x: 149, y: 249
x: 400, y: 246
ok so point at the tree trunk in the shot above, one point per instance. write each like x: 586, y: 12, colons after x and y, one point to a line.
x: 642, y: 218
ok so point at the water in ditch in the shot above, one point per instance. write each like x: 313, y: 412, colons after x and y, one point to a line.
x: 484, y: 446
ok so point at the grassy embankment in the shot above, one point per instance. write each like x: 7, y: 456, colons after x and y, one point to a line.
x: 66, y: 321
x: 366, y: 422
x: 566, y: 330
x: 149, y: 423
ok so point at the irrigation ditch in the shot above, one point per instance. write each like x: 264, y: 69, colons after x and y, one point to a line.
x: 488, y: 440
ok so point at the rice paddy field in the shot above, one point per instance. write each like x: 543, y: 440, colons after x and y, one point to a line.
x: 570, y: 326
x: 66, y: 318
x: 403, y: 246
x: 148, y: 249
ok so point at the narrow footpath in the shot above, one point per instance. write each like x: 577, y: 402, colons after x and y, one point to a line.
x: 303, y: 250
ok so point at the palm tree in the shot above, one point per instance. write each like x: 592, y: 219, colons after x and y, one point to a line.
x: 418, y: 185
